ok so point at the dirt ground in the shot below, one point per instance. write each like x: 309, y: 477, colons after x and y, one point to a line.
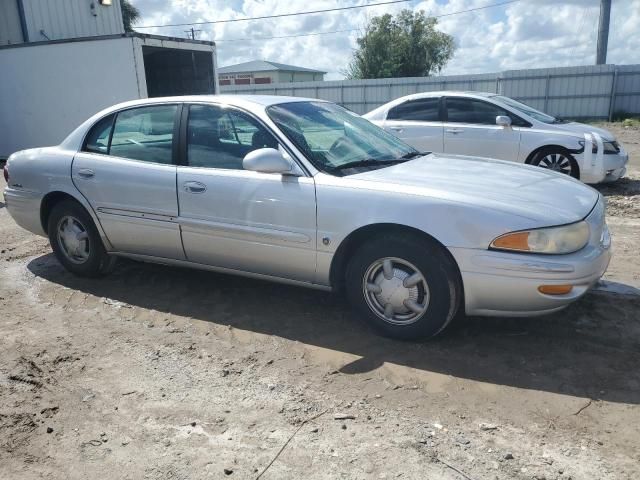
x: 164, y: 373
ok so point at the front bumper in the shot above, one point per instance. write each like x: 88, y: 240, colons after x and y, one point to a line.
x: 600, y: 167
x: 506, y: 284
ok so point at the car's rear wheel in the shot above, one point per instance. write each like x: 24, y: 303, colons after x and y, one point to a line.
x: 75, y: 240
x: 406, y: 287
x: 558, y: 160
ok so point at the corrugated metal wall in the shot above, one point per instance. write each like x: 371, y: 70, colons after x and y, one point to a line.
x: 596, y: 91
x: 10, y: 30
x: 60, y: 19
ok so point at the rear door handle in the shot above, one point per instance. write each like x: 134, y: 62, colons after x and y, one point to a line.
x: 455, y: 131
x: 86, y: 173
x: 396, y: 129
x: 194, y: 187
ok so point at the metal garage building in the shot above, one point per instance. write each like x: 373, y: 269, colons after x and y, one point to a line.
x: 63, y: 60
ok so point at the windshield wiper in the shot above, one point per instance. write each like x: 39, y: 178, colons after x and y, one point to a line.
x: 369, y: 162
x: 415, y: 154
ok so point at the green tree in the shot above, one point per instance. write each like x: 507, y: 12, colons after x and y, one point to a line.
x: 130, y: 15
x: 408, y: 45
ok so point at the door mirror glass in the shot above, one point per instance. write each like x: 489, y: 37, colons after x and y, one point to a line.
x: 503, y: 121
x: 267, y: 160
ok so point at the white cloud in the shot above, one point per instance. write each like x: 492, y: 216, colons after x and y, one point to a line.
x: 526, y: 34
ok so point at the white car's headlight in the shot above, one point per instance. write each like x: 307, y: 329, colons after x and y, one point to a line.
x: 552, y: 240
x: 609, y: 147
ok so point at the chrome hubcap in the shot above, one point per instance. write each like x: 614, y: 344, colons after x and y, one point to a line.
x: 73, y: 239
x: 396, y: 291
x: 556, y: 162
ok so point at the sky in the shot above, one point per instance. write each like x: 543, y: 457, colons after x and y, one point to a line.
x: 524, y: 34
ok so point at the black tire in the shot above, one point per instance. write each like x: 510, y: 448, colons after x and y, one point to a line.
x: 429, y: 259
x: 97, y: 261
x: 556, y: 159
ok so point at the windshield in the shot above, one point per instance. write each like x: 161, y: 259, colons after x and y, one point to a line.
x: 527, y: 110
x: 336, y: 140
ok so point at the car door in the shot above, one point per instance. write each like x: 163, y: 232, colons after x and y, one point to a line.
x: 418, y: 123
x: 470, y: 129
x: 126, y: 171
x: 238, y: 219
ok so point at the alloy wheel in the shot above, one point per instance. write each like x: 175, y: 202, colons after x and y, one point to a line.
x: 556, y: 162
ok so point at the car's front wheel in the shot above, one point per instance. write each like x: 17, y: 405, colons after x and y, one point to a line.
x: 75, y: 241
x: 405, y: 286
x: 558, y: 160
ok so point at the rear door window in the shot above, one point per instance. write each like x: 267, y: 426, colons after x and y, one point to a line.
x: 97, y: 140
x: 468, y: 110
x: 422, y: 110
x: 145, y: 134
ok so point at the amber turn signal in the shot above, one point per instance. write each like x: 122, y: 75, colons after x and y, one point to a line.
x: 513, y: 241
x: 555, y: 289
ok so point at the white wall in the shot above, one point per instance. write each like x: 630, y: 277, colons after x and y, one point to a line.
x: 47, y: 90
x: 62, y: 19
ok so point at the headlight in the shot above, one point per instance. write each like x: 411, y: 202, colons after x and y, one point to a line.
x: 553, y: 240
x: 609, y: 148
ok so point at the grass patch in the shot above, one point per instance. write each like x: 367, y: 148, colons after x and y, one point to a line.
x: 631, y: 122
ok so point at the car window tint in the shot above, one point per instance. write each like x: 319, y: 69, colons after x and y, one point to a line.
x: 423, y: 110
x: 145, y: 134
x: 467, y: 110
x: 220, y: 138
x: 97, y: 140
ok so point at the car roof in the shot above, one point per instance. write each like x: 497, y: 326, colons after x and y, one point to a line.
x: 252, y: 103
x: 380, y: 112
x: 450, y: 93
x: 233, y: 100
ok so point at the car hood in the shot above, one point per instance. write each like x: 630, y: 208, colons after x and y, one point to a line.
x: 545, y: 197
x: 581, y: 128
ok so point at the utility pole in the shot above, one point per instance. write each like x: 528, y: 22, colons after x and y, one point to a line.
x: 603, y: 32
x: 191, y: 33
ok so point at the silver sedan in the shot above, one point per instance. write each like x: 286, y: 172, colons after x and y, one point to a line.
x: 305, y: 192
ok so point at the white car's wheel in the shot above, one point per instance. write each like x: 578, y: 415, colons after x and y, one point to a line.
x: 558, y: 160
x: 406, y: 287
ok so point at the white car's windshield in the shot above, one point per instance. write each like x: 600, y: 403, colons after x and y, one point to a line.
x: 527, y: 110
x: 336, y: 140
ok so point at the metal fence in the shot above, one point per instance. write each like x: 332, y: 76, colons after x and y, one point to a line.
x: 595, y: 92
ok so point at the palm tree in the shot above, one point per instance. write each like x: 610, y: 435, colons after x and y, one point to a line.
x: 130, y: 15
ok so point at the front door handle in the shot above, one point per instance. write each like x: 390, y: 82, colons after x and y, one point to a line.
x: 85, y: 173
x: 396, y: 129
x: 455, y: 131
x: 194, y: 187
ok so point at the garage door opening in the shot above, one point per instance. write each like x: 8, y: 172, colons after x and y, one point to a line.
x: 177, y: 72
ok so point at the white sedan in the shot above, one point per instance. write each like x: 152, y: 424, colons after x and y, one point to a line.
x: 308, y: 193
x: 494, y: 126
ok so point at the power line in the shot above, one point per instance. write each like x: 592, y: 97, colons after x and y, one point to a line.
x: 474, y: 9
x: 286, y: 36
x: 356, y: 29
x: 230, y: 20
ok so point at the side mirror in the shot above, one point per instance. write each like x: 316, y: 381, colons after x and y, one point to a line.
x: 268, y: 160
x: 503, y: 121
